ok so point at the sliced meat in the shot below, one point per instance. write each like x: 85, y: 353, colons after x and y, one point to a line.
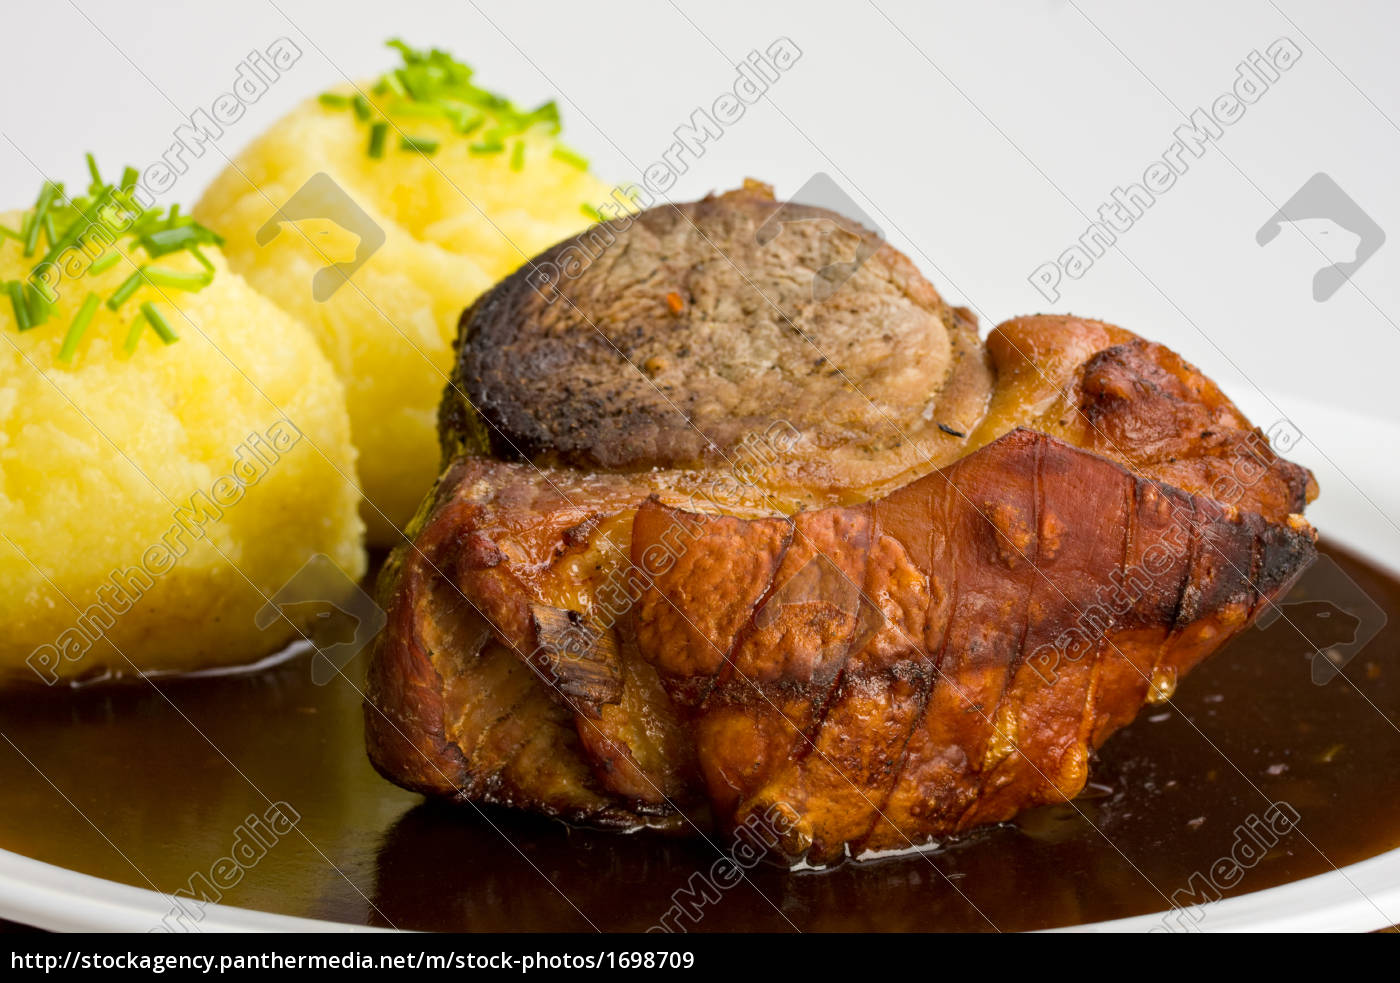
x: 668, y: 338
x: 693, y: 649
x: 767, y: 532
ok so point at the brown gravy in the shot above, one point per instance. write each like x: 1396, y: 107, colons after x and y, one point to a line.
x: 1168, y: 799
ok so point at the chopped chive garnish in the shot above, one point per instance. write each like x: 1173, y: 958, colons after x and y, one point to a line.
x: 201, y: 258
x: 175, y: 239
x: 105, y: 262
x: 39, y: 305
x: 78, y: 327
x: 94, y: 223
x: 29, y: 233
x: 433, y: 84
x: 420, y: 144
x: 16, y: 291
x: 561, y: 152
x: 517, y: 156
x: 486, y: 147
x: 392, y: 83
x: 133, y: 333
x: 159, y: 323
x: 377, y: 133
x: 178, y: 279
x: 129, y: 286
x: 592, y: 212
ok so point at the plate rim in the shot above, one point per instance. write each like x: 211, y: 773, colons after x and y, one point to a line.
x: 1361, y: 896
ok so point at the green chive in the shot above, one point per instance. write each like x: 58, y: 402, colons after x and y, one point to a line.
x: 175, y: 239
x: 178, y: 279
x: 157, y: 320
x: 16, y: 291
x: 377, y: 133
x: 129, y: 178
x: 517, y: 156
x: 203, y: 260
x: 561, y: 152
x: 133, y: 333
x: 39, y: 305
x: 92, y: 169
x: 592, y: 212
x: 420, y: 144
x: 8, y: 233
x: 129, y: 286
x: 29, y: 233
x: 87, y: 217
x: 362, y: 108
x: 486, y: 147
x: 81, y: 320
x: 105, y: 262
x: 333, y: 100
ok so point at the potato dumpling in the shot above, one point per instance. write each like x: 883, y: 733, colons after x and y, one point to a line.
x: 456, y: 212
x: 150, y: 499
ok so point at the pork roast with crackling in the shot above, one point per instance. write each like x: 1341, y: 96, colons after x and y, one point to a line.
x: 887, y: 630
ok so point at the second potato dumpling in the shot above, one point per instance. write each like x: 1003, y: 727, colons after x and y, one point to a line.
x: 376, y: 214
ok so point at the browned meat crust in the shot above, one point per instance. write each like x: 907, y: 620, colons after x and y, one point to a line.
x: 1002, y: 655
x: 662, y: 340
x: 891, y: 672
x: 954, y: 574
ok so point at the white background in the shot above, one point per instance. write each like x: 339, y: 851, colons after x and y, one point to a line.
x: 978, y: 136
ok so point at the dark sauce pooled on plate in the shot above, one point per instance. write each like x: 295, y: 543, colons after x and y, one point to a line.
x: 181, y: 773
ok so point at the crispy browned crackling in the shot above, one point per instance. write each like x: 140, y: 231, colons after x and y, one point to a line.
x: 753, y: 673
x: 666, y: 338
x: 850, y: 612
x: 1102, y: 388
x: 965, y: 706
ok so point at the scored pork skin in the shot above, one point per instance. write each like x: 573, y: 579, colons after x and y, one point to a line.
x: 997, y: 658
x: 502, y: 540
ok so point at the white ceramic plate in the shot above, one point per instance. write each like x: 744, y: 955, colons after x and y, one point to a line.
x: 1361, y: 494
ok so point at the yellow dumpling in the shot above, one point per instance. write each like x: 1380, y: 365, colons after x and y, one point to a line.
x: 441, y: 214
x: 152, y: 499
